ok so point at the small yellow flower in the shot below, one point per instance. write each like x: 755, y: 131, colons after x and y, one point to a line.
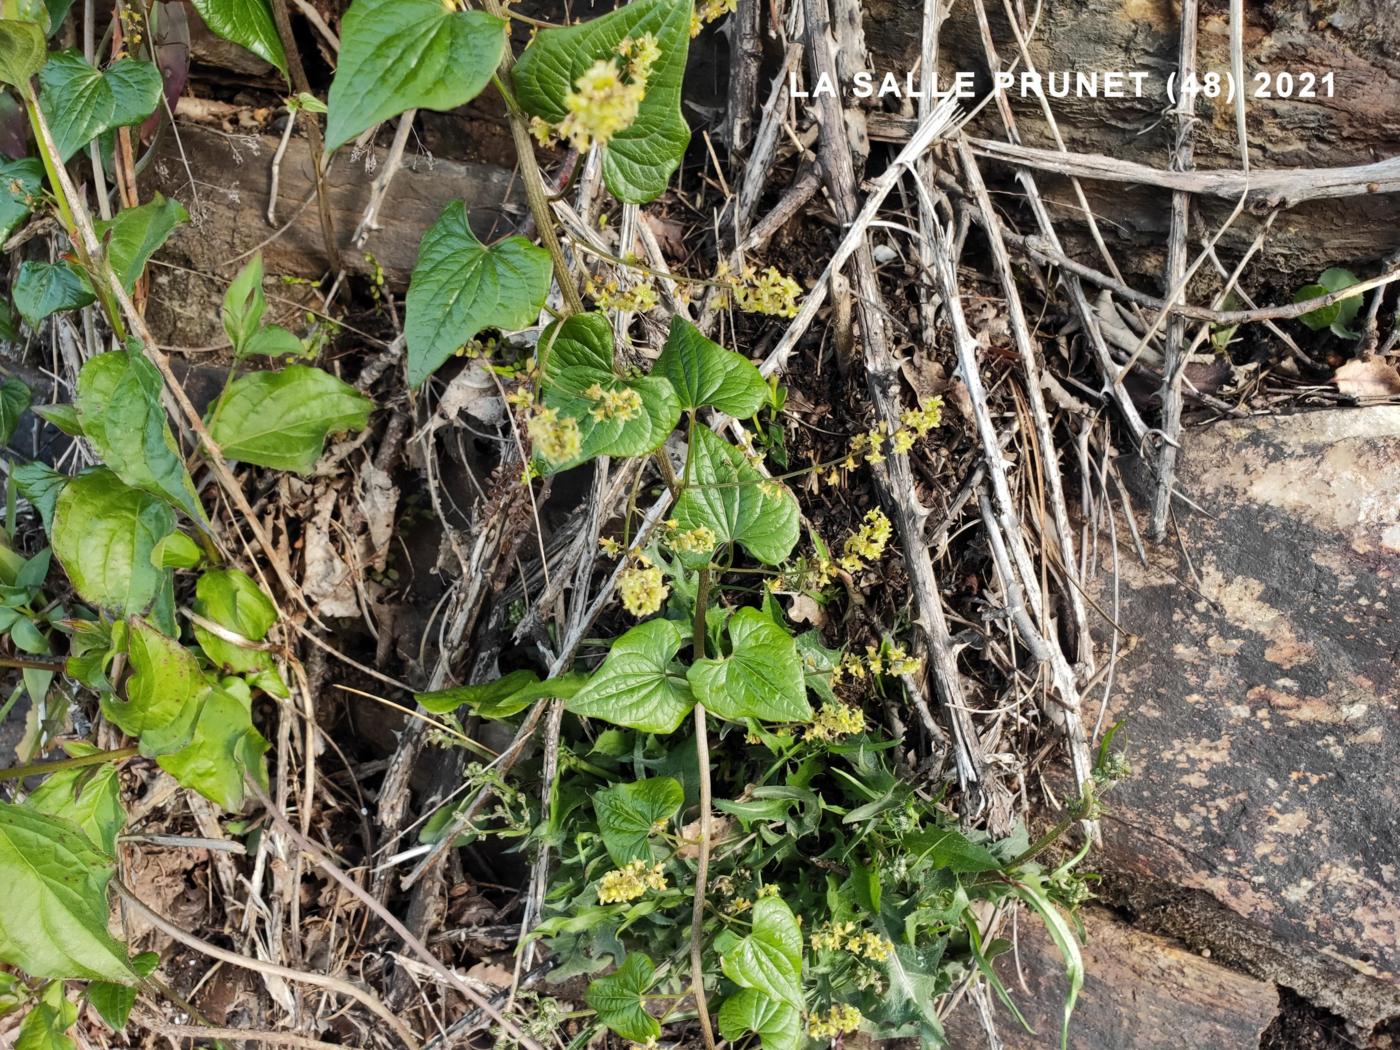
x: 834, y: 721
x: 699, y: 540
x: 609, y: 295
x: 840, y: 1019
x: 770, y: 890
x: 768, y: 292
x: 713, y: 10
x: 642, y: 589
x: 610, y: 546
x: 629, y: 882
x: 619, y: 403
x: 869, y: 945
x: 867, y: 544
x: 556, y: 438
x: 831, y: 937
x: 900, y: 662
x: 922, y: 420
x: 606, y: 98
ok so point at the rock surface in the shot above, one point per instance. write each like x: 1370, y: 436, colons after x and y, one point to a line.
x: 1140, y: 993
x: 1261, y: 705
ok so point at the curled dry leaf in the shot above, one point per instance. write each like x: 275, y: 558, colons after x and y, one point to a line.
x: 1370, y: 379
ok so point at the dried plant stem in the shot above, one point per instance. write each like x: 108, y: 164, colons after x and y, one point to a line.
x: 702, y: 864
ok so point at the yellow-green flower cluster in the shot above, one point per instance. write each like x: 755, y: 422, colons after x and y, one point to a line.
x: 606, y: 97
x: 914, y: 424
x: 609, y: 295
x: 834, y: 721
x: 616, y: 403
x: 867, y: 544
x: 767, y: 292
x: 840, y: 1019
x: 642, y: 588
x: 847, y: 937
x: 891, y: 659
x: 708, y: 11
x: 699, y: 540
x: 630, y: 881
x: 555, y: 438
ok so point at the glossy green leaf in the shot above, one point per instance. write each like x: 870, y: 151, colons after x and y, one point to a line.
x: 223, y: 748
x: 637, y: 686
x: 769, y: 959
x: 133, y: 235
x: 176, y: 551
x: 1338, y: 315
x: 638, y: 162
x: 281, y: 419
x: 778, y: 1025
x: 103, y: 535
x: 54, y: 923
x: 80, y: 102
x: 163, y: 691
x: 578, y: 368
x: 247, y: 23
x: 14, y: 400
x: 244, y: 304
x: 628, y: 814
x: 508, y: 695
x: 620, y: 999
x: 90, y: 798
x: 63, y: 416
x: 46, y: 1025
x: 951, y: 849
x: 40, y: 485
x: 43, y: 288
x: 115, y: 1001
x: 120, y: 411
x: 20, y: 184
x: 231, y: 599
x: 461, y: 286
x: 761, y: 677
x: 730, y: 497
x: 705, y: 373
x: 23, y: 49
x: 408, y: 54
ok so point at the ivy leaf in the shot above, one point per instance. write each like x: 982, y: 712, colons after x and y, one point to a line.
x: 281, y: 419
x: 769, y: 959
x: 628, y: 813
x: 508, y: 695
x: 761, y: 678
x: 461, y: 286
x: 951, y: 849
x: 736, y: 501
x: 222, y: 749
x: 14, y: 400
x: 90, y: 798
x: 23, y: 49
x: 408, y: 54
x: 20, y: 183
x: 81, y: 102
x: 578, y: 368
x: 620, y: 1002
x: 103, y: 535
x: 162, y: 690
x: 133, y: 235
x: 779, y: 1026
x: 45, y: 1026
x: 44, y: 288
x: 247, y: 23
x: 636, y: 686
x: 54, y: 923
x: 120, y: 412
x: 639, y: 160
x: 705, y: 373
x: 231, y: 599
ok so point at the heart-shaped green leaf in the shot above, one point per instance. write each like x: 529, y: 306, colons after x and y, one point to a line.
x: 90, y: 798
x: 223, y: 748
x: 760, y: 678
x: 281, y: 419
x: 43, y: 288
x: 231, y: 599
x: 23, y: 48
x: 20, y: 183
x: 103, y: 534
x: 738, y: 503
x: 779, y: 1026
x: 629, y: 813
x: 120, y: 411
x: 81, y: 102
x: 54, y: 923
x: 620, y: 999
x: 769, y: 959
x: 461, y: 286
x: 617, y: 416
x: 637, y: 686
x: 135, y: 234
x: 639, y: 160
x: 14, y: 400
x: 161, y: 705
x: 705, y: 373
x: 408, y: 54
x: 247, y: 23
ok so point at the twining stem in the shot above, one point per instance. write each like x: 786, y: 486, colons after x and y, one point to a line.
x: 37, y: 769
x: 702, y: 867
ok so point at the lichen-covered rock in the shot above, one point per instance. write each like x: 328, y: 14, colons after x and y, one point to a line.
x: 1261, y: 701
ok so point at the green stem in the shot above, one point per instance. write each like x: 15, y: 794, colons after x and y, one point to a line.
x: 36, y: 769
x: 702, y: 867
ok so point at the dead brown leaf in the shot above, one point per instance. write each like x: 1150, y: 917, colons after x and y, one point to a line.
x: 1371, y: 379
